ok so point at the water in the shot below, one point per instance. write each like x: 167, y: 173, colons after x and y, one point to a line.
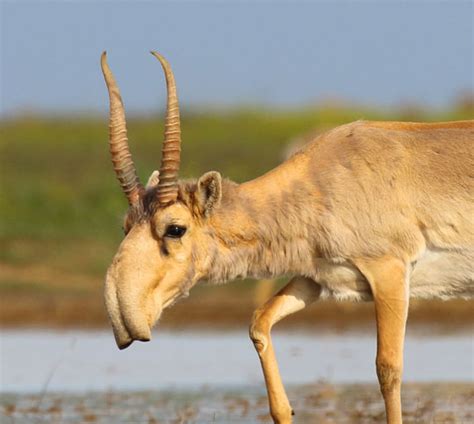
x: 81, y: 361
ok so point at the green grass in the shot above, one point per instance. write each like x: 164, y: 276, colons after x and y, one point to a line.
x: 61, y: 206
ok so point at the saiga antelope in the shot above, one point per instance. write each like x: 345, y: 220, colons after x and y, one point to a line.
x: 369, y: 210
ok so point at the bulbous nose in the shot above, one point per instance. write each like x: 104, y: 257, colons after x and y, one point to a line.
x: 131, y: 280
x: 129, y: 320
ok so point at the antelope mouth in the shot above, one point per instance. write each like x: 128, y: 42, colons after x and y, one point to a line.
x: 126, y: 335
x: 124, y: 338
x: 124, y: 345
x: 126, y: 342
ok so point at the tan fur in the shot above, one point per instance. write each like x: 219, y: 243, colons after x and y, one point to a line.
x: 368, y: 210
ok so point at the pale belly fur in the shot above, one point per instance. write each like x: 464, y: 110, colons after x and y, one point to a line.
x: 438, y: 274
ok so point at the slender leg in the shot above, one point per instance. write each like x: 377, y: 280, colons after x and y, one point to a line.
x: 298, y: 293
x: 390, y: 288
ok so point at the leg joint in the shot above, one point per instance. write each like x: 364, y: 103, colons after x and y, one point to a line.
x: 259, y: 331
x: 389, y: 377
x: 282, y: 414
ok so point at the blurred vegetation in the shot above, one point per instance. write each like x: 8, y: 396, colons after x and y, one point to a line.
x: 60, y: 204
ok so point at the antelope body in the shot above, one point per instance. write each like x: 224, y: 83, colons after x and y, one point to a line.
x: 378, y: 211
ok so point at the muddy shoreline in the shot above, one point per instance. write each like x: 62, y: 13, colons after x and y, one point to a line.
x: 320, y: 402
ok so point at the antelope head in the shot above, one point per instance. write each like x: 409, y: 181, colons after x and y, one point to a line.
x: 158, y: 260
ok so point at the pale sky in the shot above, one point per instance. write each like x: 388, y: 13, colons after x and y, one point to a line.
x: 232, y: 53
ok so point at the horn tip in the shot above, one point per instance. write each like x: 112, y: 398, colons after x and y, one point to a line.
x: 157, y: 55
x: 103, y: 59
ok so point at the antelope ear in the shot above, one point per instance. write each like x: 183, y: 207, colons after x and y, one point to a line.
x: 153, y: 180
x: 209, y: 191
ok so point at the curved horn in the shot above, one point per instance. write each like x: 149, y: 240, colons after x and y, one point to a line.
x: 171, y: 151
x: 118, y: 142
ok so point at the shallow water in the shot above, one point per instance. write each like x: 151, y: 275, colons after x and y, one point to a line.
x: 80, y: 361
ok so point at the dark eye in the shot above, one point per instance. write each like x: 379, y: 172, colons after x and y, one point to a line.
x: 175, y: 231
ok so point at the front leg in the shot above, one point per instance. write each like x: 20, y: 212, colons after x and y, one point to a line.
x: 298, y: 293
x: 390, y: 287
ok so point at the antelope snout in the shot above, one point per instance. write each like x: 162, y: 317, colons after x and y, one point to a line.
x: 128, y: 318
x: 130, y: 332
x: 137, y: 327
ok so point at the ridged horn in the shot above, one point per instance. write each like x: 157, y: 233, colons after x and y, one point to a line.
x: 118, y: 141
x: 171, y: 150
